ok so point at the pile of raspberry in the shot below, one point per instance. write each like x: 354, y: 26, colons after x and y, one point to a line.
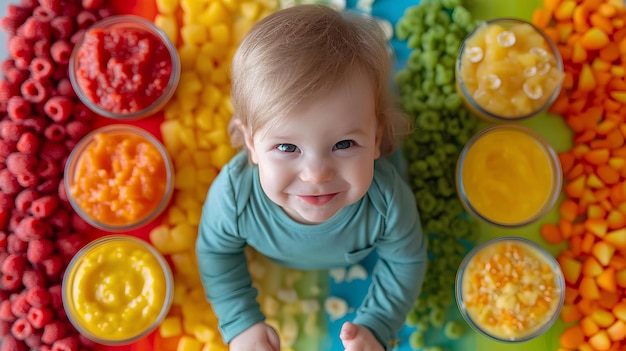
x: 41, y: 120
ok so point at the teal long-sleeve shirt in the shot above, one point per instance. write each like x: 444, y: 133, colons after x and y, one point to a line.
x: 238, y: 213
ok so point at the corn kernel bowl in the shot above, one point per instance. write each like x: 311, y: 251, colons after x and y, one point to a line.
x: 508, y: 70
x: 117, y: 289
x: 119, y: 178
x: 510, y: 289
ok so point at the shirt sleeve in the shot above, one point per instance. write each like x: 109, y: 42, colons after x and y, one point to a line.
x: 222, y: 263
x: 399, y: 271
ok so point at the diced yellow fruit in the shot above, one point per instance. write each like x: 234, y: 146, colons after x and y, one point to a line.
x: 188, y: 138
x: 170, y: 134
x: 192, y: 315
x: 215, y: 346
x: 186, y: 199
x: 182, y: 159
x: 183, y: 237
x: 160, y: 238
x: 230, y: 4
x: 216, y: 12
x: 221, y: 155
x: 188, y: 54
x: 201, y: 159
x: 187, y: 343
x: 211, y: 96
x: 220, y: 33
x: 194, y: 215
x: 171, y: 326
x: 191, y: 6
x: 171, y: 109
x: 169, y: 25
x: 189, y: 83
x: 167, y: 6
x: 186, y: 177
x: 185, y: 262
x: 180, y: 292
x: 206, y: 175
x: 204, y: 333
x: 250, y: 10
x: 175, y: 215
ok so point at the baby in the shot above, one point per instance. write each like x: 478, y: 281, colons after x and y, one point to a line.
x: 312, y: 188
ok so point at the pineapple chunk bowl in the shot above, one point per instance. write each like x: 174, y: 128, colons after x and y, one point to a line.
x: 124, y: 67
x: 117, y: 289
x: 510, y: 289
x: 119, y: 177
x: 508, y: 70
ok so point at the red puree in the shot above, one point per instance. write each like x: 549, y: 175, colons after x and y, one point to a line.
x: 123, y: 70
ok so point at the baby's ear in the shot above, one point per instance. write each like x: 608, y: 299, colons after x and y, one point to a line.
x: 246, y: 134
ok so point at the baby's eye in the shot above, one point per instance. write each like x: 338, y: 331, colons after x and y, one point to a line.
x: 287, y: 147
x: 344, y: 144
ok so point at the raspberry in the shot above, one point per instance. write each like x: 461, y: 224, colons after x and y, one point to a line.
x: 16, y: 76
x: 3, y: 240
x: 10, y: 343
x: 78, y: 34
x: 10, y: 130
x: 62, y: 193
x: 8, y: 185
x: 52, y: 266
x: 64, y: 88
x: 19, y: 47
x: 34, y: 91
x: 69, y: 343
x: 24, y: 200
x: 51, y: 5
x: 8, y: 89
x: 5, y: 311
x: 86, y: 19
x: 106, y: 12
x: 5, y: 328
x: 41, y: 68
x: 15, y: 245
x: 62, y: 27
x: 60, y: 219
x: 32, y: 228
x: 27, y: 179
x: 28, y: 143
x: 43, y: 14
x: 34, y: 29
x: 92, y: 4
x: 56, y: 298
x: 13, y: 265
x: 19, y: 13
x: 34, y: 340
x: 29, y: 4
x: 14, y: 221
x: 39, y: 316
x: 35, y: 124
x: 21, y: 328
x: 10, y: 282
x: 48, y: 169
x: 23, y: 63
x: 83, y: 113
x: 4, y: 219
x: 60, y: 51
x: 48, y: 186
x: 52, y: 151
x: 9, y: 25
x: 76, y: 129
x: 69, y: 245
x: 41, y: 48
x: 18, y: 107
x: 38, y: 296
x: 6, y: 148
x: 39, y: 250
x: 54, y: 132
x: 79, y: 224
x: 34, y: 278
x: 59, y: 108
x: 44, y: 206
x: 18, y: 162
x: 53, y: 331
x: 19, y: 305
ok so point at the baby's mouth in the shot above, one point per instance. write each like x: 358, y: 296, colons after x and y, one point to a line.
x: 317, y: 200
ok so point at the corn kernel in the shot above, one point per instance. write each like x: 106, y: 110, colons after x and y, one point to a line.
x: 193, y: 34
x: 187, y: 343
x: 167, y: 6
x: 250, y: 10
x: 215, y: 13
x: 169, y: 25
x: 220, y: 33
x: 171, y: 326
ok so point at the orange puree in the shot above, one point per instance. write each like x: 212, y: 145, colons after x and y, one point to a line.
x: 510, y: 290
x: 507, y: 176
x: 509, y: 69
x: 117, y: 290
x: 120, y: 178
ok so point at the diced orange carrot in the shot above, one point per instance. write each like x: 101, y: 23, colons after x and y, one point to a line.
x: 571, y: 269
x: 572, y: 337
x: 597, y: 157
x: 602, y: 23
x: 586, y: 79
x: 575, y: 244
x: 571, y: 294
x: 610, y: 52
x: 608, y: 174
x: 575, y: 188
x: 591, y: 267
x: 589, y: 289
x: 567, y: 160
x: 565, y: 10
x: 551, y: 233
x: 603, y: 251
x: 600, y: 341
x: 618, y: 262
x: 615, y: 219
x: 586, y: 307
x: 577, y: 170
x: 585, y: 136
x: 587, y: 243
x: 551, y: 5
x: 602, y: 317
x: 580, y: 19
x: 596, y: 226
x: 565, y: 228
x: 541, y: 17
x: 607, y: 10
x: 606, y: 280
x: 608, y: 300
x: 617, y: 331
x: 620, y: 278
x: 615, y: 138
x: 619, y: 311
x: 594, y: 39
x: 568, y: 209
x: 570, y: 313
x: 617, y: 238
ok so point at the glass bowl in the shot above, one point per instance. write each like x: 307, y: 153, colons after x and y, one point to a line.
x: 119, y: 177
x: 507, y: 69
x: 124, y: 67
x: 510, y: 289
x: 117, y: 289
x: 508, y: 175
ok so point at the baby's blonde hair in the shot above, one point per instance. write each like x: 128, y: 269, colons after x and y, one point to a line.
x: 303, y: 52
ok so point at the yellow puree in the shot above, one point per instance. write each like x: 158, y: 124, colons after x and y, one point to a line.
x: 118, y: 290
x: 507, y: 176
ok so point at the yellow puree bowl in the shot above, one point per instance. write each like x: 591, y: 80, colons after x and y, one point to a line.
x: 117, y: 289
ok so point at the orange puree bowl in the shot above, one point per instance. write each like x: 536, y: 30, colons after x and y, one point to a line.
x: 119, y: 177
x: 508, y: 70
x: 124, y: 67
x: 508, y: 175
x: 510, y: 289
x: 117, y: 289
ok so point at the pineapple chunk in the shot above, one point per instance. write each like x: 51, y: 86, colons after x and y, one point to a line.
x: 167, y: 6
x: 169, y: 25
x: 187, y: 343
x: 171, y: 326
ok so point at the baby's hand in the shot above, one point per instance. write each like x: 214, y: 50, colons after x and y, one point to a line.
x: 259, y: 337
x: 358, y: 338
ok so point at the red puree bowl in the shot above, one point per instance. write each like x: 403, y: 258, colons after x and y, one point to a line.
x: 124, y: 67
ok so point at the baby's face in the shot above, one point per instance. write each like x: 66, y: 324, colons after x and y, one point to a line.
x: 320, y: 158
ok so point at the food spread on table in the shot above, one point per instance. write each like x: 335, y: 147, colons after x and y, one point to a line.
x: 43, y: 120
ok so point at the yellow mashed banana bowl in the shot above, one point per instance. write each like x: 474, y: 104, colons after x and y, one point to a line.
x: 117, y: 289
x: 508, y: 175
